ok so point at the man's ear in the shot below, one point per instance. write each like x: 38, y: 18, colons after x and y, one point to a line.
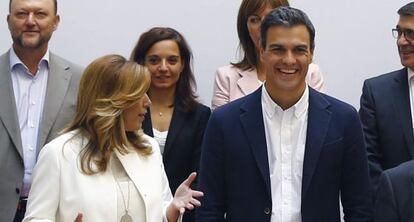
x: 262, y: 52
x: 56, y: 22
x: 311, y: 54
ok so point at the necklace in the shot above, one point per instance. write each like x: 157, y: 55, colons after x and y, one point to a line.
x: 160, y: 114
x: 126, y: 217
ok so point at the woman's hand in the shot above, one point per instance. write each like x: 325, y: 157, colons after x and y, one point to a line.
x: 184, y: 198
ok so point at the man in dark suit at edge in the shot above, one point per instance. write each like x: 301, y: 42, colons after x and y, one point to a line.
x: 391, y: 143
x: 387, y: 106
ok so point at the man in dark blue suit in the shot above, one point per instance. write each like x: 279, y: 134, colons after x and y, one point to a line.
x: 387, y: 106
x: 285, y: 152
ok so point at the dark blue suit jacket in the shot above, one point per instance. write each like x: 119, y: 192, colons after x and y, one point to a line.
x: 395, y: 197
x: 386, y: 119
x: 234, y: 169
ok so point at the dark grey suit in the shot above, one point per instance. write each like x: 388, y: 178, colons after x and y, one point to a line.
x: 59, y: 107
x: 395, y: 197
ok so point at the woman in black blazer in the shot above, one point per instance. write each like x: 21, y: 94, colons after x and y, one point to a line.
x: 176, y: 120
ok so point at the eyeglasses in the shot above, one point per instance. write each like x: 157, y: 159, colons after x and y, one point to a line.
x: 408, y: 33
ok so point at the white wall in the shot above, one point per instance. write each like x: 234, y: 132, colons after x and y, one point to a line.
x: 353, y: 39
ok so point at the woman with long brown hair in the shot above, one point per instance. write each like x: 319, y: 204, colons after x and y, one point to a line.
x: 104, y: 168
x: 176, y: 119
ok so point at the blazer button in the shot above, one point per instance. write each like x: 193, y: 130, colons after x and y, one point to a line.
x: 267, y: 210
x: 17, y: 190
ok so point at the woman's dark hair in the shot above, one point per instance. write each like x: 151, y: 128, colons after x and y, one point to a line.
x: 185, y: 96
x: 248, y: 8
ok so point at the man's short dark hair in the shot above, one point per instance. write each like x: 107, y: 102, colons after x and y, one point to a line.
x: 407, y: 9
x: 54, y: 1
x: 288, y: 17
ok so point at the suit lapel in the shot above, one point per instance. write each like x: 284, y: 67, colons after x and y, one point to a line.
x: 139, y: 170
x: 402, y: 107
x: 248, y: 82
x: 57, y: 86
x: 147, y: 124
x: 251, y: 118
x: 8, y: 112
x: 177, y: 122
x: 318, y: 122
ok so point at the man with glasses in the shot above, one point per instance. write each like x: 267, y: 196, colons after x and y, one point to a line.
x: 387, y: 104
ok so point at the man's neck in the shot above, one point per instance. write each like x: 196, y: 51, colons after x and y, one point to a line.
x: 30, y: 57
x: 285, y: 99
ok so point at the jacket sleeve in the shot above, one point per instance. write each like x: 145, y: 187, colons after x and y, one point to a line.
x: 211, y: 176
x: 368, y: 115
x: 45, y: 191
x: 202, y: 123
x: 221, y: 90
x: 355, y: 183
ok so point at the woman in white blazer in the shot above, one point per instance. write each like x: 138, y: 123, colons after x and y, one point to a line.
x: 103, y: 168
x: 239, y: 79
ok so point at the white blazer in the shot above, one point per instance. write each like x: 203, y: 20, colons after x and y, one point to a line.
x: 232, y: 83
x: 60, y: 190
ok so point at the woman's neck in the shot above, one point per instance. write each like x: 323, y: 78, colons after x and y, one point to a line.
x: 161, y: 97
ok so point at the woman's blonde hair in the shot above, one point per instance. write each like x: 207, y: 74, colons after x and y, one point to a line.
x: 109, y: 85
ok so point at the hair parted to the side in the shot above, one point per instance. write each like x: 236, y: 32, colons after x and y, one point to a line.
x: 185, y: 91
x: 109, y: 85
x: 407, y: 9
x: 247, y: 47
x: 288, y: 17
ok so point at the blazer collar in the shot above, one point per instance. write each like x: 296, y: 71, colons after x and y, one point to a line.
x: 402, y: 107
x: 176, y: 124
x: 8, y: 112
x: 138, y: 169
x: 57, y: 86
x: 248, y: 82
x: 251, y: 117
x: 319, y: 117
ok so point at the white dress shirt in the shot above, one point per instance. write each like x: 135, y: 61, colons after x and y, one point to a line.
x: 411, y: 88
x: 285, y: 137
x: 29, y: 93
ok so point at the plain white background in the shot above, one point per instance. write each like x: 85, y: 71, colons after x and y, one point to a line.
x: 353, y: 37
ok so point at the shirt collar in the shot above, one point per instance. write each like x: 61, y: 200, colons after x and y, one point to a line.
x: 15, y: 60
x: 271, y: 108
x: 410, y: 73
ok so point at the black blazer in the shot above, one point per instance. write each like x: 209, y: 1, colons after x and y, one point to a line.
x: 386, y: 119
x: 183, y: 146
x: 395, y: 197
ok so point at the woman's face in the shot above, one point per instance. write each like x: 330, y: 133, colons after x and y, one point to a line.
x: 253, y: 24
x: 164, y: 63
x: 134, y: 115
